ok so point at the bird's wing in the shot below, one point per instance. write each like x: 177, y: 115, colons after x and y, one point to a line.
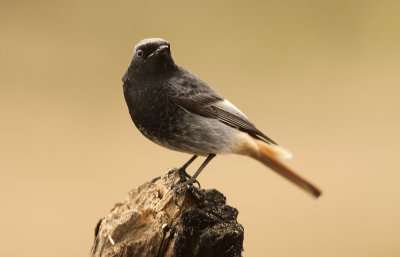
x: 195, y: 96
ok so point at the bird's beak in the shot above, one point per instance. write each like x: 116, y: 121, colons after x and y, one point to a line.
x: 159, y: 50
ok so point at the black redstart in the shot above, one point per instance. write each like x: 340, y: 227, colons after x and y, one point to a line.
x: 175, y: 109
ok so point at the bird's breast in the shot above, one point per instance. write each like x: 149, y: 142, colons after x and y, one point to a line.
x: 151, y: 110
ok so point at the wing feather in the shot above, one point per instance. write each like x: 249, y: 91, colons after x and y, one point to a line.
x: 194, y: 95
x: 214, y: 106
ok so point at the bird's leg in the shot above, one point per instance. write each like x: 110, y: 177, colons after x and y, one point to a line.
x: 203, y: 165
x: 178, y: 187
x: 181, y: 171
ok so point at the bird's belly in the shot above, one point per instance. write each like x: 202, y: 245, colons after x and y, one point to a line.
x: 196, y: 134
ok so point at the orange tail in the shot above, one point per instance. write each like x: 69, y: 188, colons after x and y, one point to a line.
x: 266, y: 154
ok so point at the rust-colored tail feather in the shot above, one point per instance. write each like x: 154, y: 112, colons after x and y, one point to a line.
x: 269, y: 155
x: 265, y: 156
x: 285, y: 171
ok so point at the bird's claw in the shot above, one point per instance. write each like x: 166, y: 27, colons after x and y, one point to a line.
x: 184, y: 176
x: 185, y: 181
x: 179, y: 187
x: 153, y: 181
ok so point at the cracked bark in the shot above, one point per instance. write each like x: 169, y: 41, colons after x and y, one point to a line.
x: 149, y: 223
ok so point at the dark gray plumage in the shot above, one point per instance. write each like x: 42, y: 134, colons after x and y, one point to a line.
x: 174, y: 108
x: 177, y: 110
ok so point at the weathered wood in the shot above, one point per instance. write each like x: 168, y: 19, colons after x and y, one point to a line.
x: 149, y: 223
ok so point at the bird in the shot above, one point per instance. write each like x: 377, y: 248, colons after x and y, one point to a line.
x: 177, y: 110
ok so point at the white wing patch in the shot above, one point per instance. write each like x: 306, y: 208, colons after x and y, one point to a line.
x: 231, y: 106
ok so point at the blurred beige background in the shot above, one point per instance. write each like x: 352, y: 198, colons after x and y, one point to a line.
x: 320, y: 77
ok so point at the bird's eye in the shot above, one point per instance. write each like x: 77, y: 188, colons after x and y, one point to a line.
x: 140, y: 53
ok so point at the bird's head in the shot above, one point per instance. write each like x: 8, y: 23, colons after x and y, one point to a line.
x: 150, y: 55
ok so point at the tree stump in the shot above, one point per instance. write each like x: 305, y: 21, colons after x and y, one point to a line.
x: 149, y: 223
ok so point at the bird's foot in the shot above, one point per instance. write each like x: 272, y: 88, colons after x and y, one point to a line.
x: 184, y: 176
x: 187, y: 184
